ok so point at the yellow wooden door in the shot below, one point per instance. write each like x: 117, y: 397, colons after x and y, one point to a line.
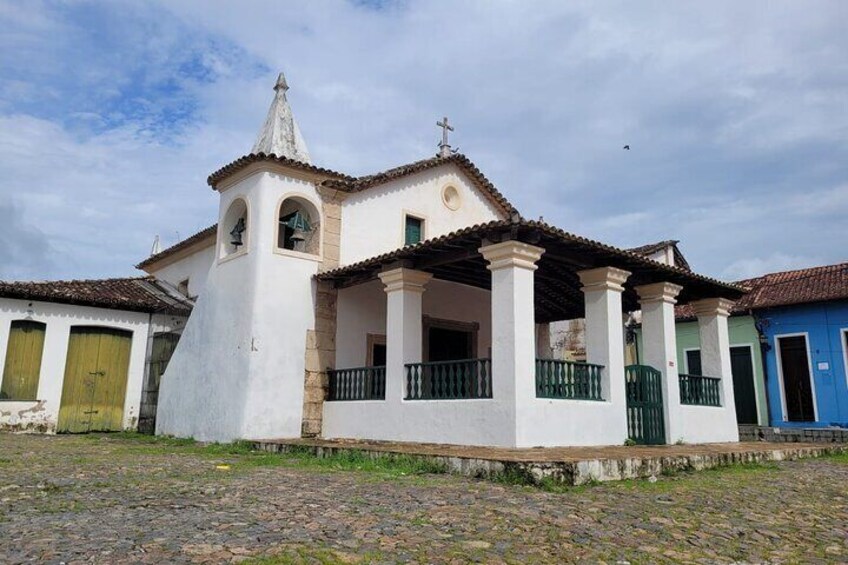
x: 23, y: 361
x: 95, y: 385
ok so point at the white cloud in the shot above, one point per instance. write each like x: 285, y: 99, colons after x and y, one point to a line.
x: 734, y: 112
x: 750, y: 267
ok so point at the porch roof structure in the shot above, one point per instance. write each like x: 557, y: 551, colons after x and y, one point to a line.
x: 455, y: 257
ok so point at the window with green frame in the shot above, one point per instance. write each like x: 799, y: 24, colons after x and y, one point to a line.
x: 414, y: 230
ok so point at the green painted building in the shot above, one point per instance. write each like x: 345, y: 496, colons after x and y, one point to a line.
x: 746, y: 360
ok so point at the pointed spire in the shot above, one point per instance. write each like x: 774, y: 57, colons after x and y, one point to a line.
x: 280, y: 134
x: 157, y: 246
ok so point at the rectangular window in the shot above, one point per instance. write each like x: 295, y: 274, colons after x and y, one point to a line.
x: 693, y: 362
x: 23, y: 361
x: 414, y: 230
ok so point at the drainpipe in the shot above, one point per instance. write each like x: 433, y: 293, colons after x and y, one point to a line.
x: 764, y: 349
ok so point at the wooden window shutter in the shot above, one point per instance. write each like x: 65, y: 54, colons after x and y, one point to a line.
x: 23, y: 361
x: 413, y: 230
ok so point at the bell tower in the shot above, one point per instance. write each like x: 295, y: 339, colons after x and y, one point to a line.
x: 239, y: 369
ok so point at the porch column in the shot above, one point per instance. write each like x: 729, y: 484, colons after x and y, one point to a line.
x: 712, y: 316
x: 512, y: 264
x: 404, y: 288
x: 660, y: 348
x: 602, y: 290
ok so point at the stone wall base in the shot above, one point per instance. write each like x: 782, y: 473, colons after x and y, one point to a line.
x: 793, y: 435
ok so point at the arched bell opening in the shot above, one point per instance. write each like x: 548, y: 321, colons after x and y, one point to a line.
x: 234, y: 233
x: 299, y: 226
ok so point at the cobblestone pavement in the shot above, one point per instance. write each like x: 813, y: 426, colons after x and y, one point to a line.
x: 112, y: 499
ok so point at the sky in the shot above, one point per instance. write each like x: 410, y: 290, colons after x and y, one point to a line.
x: 112, y: 115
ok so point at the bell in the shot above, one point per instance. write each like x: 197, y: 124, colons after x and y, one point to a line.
x: 298, y: 236
x: 298, y: 222
x: 236, y: 233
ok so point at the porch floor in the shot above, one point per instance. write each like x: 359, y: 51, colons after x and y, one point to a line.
x: 570, y: 465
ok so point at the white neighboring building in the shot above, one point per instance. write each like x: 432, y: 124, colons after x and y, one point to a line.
x: 85, y: 356
x: 406, y: 306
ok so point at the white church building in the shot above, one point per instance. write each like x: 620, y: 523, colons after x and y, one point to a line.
x: 414, y: 305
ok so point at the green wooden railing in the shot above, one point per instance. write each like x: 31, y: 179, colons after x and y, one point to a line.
x: 449, y: 380
x: 700, y: 390
x: 360, y: 383
x: 645, y: 418
x: 568, y: 379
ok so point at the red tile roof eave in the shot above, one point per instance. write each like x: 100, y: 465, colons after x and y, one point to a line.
x: 464, y: 163
x: 814, y: 285
x: 133, y: 296
x: 550, y: 230
x: 179, y: 246
x: 242, y: 162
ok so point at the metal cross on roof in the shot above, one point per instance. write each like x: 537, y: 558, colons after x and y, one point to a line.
x: 444, y: 147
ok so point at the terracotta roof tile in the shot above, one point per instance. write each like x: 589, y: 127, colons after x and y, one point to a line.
x: 458, y: 159
x: 786, y: 288
x: 243, y: 162
x: 482, y: 229
x: 137, y: 294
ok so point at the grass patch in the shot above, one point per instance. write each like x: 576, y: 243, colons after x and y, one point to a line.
x: 392, y: 464
x: 241, y: 454
x: 836, y: 457
x: 520, y: 477
x: 311, y: 555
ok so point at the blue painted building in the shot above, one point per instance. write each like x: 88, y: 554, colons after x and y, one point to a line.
x: 803, y: 319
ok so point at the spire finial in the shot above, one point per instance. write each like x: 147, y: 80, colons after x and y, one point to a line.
x: 281, y: 83
x: 157, y: 246
x: 280, y: 135
x: 444, y: 148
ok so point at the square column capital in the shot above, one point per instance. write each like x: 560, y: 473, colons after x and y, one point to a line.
x: 511, y: 254
x: 603, y: 278
x: 712, y: 307
x: 658, y: 292
x: 404, y: 279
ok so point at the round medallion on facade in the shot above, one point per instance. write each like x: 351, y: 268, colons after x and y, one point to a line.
x: 451, y: 197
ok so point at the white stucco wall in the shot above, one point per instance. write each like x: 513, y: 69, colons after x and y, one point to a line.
x: 42, y: 414
x: 708, y: 424
x: 522, y: 421
x: 362, y: 310
x: 194, y: 267
x: 238, y: 371
x: 373, y: 220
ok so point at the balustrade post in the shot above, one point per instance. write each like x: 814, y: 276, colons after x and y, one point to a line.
x: 404, y: 288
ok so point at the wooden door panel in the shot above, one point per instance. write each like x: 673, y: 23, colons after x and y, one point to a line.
x: 795, y: 369
x: 23, y: 361
x: 744, y: 393
x: 78, y: 384
x: 94, y: 389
